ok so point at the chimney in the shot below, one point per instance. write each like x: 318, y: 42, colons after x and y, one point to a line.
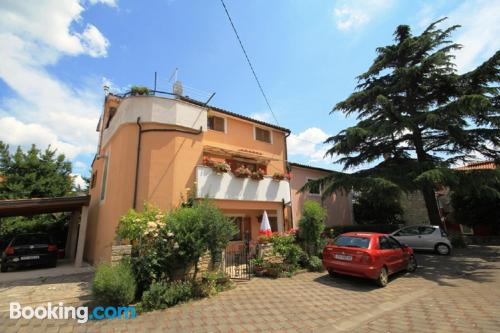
x: 178, y: 88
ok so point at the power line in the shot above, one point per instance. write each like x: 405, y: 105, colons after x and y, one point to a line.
x: 249, y: 62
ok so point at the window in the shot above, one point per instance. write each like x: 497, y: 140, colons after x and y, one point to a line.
x: 104, y: 177
x: 426, y: 230
x: 273, y: 221
x: 238, y: 222
x: 349, y: 241
x: 93, y: 180
x: 217, y: 124
x: 112, y: 112
x: 384, y: 244
x: 315, y: 189
x: 263, y: 135
x: 410, y: 231
x: 394, y: 243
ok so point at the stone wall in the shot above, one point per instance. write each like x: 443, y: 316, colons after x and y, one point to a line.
x: 414, y: 210
x: 118, y: 252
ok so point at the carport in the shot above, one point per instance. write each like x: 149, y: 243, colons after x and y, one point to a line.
x: 77, y: 228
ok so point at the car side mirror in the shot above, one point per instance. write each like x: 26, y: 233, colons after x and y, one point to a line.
x: 404, y: 246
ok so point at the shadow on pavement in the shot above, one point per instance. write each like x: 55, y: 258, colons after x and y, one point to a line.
x: 474, y: 263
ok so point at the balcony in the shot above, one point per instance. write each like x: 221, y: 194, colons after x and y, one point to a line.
x: 228, y: 186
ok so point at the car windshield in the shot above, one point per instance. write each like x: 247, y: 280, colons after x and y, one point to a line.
x: 32, y: 239
x: 352, y: 241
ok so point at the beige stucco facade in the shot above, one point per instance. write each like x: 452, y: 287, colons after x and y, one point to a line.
x: 152, y: 150
x: 338, y: 206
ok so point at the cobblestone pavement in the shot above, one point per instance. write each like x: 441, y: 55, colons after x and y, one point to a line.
x: 459, y: 293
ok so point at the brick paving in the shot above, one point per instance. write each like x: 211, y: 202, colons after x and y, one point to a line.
x: 459, y: 293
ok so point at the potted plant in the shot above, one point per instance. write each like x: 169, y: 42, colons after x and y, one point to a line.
x: 258, y: 175
x: 242, y: 172
x: 207, y: 161
x: 258, y: 266
x: 221, y: 167
x: 138, y: 90
x: 280, y: 176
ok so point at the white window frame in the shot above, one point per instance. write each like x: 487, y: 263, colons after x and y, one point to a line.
x: 265, y: 129
x: 225, y: 123
x: 320, y: 188
x: 104, y: 178
x: 466, y: 232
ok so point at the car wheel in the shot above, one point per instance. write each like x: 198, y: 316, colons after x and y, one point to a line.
x: 412, y: 264
x: 383, y: 277
x: 442, y: 249
x: 3, y: 268
x: 332, y: 274
x: 53, y: 263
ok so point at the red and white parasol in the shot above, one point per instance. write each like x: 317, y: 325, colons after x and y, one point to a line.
x: 265, y: 227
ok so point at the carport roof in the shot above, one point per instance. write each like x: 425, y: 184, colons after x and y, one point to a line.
x: 21, y: 207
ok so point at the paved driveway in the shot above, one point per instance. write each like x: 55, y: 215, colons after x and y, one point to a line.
x: 460, y: 293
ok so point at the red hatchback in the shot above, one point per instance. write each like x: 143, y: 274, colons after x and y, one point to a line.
x: 369, y: 255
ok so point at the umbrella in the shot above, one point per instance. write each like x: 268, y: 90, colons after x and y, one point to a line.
x: 265, y: 227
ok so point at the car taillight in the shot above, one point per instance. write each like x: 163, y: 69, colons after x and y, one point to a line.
x: 9, y: 250
x: 367, y: 259
x: 52, y: 248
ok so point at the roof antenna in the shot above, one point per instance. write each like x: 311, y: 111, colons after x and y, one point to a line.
x: 174, y: 75
x: 155, y: 83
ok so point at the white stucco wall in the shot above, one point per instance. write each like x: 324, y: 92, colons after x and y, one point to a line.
x: 160, y: 110
x: 227, y: 186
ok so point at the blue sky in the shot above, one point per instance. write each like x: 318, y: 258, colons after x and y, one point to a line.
x: 56, y: 56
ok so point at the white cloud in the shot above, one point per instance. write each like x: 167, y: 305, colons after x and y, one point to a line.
x: 94, y: 42
x: 45, y: 110
x: 262, y: 116
x: 308, y: 144
x: 479, y: 34
x: 78, y: 180
x: 351, y: 15
x: 110, y: 3
x: 17, y: 133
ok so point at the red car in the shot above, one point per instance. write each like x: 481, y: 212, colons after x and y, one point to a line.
x: 369, y: 255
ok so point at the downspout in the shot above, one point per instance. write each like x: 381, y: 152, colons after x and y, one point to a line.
x: 137, y: 161
x: 289, y: 182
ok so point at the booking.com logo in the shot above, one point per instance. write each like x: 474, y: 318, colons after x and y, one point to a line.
x: 80, y: 313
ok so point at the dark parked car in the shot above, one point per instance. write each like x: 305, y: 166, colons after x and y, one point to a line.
x: 30, y: 250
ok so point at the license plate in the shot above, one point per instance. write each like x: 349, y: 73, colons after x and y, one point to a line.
x: 343, y: 257
x: 30, y: 257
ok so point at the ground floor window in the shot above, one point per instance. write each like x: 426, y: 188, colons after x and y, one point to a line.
x: 238, y: 222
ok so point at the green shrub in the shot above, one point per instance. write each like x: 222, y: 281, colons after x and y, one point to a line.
x: 284, y: 246
x: 114, y: 285
x: 315, y: 264
x: 162, y: 295
x: 311, y: 226
x: 458, y: 242
x: 139, y: 90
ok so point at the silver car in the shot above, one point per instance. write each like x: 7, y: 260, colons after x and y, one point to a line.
x: 424, y: 237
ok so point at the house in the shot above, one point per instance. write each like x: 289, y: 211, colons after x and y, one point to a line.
x: 446, y: 208
x: 160, y: 148
x: 338, y: 205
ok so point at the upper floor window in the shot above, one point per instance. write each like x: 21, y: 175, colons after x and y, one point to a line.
x: 315, y: 188
x: 263, y: 135
x: 112, y: 112
x: 104, y: 176
x: 216, y: 123
x: 93, y: 180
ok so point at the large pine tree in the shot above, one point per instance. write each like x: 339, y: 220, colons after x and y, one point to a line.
x: 416, y: 117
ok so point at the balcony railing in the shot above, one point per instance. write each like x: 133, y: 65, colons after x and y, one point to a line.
x: 228, y: 186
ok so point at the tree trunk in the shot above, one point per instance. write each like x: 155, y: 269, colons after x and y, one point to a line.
x: 427, y: 189
x: 431, y: 205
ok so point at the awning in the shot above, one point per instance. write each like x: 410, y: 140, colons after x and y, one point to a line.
x: 23, y: 207
x: 240, y: 153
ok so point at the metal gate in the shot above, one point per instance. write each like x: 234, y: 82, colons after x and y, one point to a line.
x: 238, y: 264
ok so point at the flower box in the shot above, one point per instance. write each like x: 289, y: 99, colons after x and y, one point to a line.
x: 242, y: 172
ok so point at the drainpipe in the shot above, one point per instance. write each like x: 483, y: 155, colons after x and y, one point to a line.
x: 137, y: 161
x: 289, y: 181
